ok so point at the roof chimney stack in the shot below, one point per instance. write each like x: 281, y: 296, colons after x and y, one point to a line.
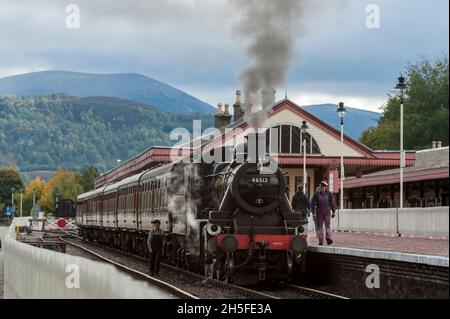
x: 238, y: 111
x: 222, y: 118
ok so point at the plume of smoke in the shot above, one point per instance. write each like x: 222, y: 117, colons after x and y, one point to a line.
x: 272, y: 28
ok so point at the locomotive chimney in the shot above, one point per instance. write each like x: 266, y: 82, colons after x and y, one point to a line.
x: 256, y: 146
x: 238, y: 111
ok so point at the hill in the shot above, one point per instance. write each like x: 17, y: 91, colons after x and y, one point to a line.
x: 51, y: 131
x: 128, y: 86
x: 56, y: 130
x: 355, y: 123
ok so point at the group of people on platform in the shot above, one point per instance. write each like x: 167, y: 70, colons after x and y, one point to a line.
x: 322, y: 207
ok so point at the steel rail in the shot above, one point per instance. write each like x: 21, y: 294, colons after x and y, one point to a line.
x: 314, y: 292
x: 159, y: 283
x: 250, y: 293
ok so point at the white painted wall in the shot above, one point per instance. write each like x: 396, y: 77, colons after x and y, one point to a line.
x: 429, y: 222
x: 432, y: 221
x: 31, y: 272
x: 329, y: 145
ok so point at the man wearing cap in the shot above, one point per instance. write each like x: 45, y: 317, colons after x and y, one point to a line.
x: 323, y: 209
x: 155, y: 243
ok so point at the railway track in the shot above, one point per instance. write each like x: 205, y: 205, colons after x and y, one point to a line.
x: 194, y: 286
x: 135, y: 273
x: 314, y: 293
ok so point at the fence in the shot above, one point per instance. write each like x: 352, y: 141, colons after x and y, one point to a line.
x: 430, y: 222
x: 31, y: 272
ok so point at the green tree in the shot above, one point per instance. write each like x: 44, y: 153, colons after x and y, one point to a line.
x: 87, y: 177
x: 425, y: 110
x: 9, y: 181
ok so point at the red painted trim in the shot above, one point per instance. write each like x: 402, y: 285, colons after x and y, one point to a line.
x: 430, y: 174
x: 335, y: 161
x: 276, y: 242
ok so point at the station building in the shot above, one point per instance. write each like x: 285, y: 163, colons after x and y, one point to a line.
x: 425, y: 184
x: 370, y: 179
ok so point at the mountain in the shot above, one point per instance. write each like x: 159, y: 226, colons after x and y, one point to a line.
x: 54, y: 130
x: 356, y: 121
x: 129, y: 86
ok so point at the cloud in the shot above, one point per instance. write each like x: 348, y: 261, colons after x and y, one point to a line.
x: 190, y: 43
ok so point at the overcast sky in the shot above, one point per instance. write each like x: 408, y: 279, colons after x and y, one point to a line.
x: 192, y: 44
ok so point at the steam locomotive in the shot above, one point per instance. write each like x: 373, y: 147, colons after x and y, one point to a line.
x: 230, y: 220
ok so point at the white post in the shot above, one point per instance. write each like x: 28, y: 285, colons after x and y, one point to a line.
x: 342, y: 166
x: 12, y: 203
x: 402, y: 154
x: 304, y: 166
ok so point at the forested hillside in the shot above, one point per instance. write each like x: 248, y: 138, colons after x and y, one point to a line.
x: 55, y: 130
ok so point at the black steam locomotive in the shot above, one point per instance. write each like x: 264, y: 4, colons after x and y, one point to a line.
x: 231, y: 220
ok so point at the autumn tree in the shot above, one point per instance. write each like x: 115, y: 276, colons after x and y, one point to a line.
x: 34, y: 187
x: 64, y: 185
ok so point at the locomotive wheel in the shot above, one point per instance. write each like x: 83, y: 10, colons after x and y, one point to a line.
x: 210, y: 269
x: 229, y: 264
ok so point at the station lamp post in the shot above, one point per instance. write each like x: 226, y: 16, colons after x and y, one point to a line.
x: 12, y: 200
x: 34, y: 197
x: 21, y: 198
x: 401, y: 87
x: 56, y: 201
x: 341, y: 112
x: 303, y: 130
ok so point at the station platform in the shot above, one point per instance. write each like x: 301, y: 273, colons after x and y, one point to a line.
x: 382, y: 242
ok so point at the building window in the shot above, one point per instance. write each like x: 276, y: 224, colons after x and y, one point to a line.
x: 288, y: 139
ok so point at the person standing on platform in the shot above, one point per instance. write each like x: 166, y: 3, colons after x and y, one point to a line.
x: 155, y: 244
x: 323, y: 208
x: 300, y: 202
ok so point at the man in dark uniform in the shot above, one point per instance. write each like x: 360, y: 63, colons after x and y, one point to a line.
x: 155, y: 243
x: 323, y: 209
x: 300, y: 202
